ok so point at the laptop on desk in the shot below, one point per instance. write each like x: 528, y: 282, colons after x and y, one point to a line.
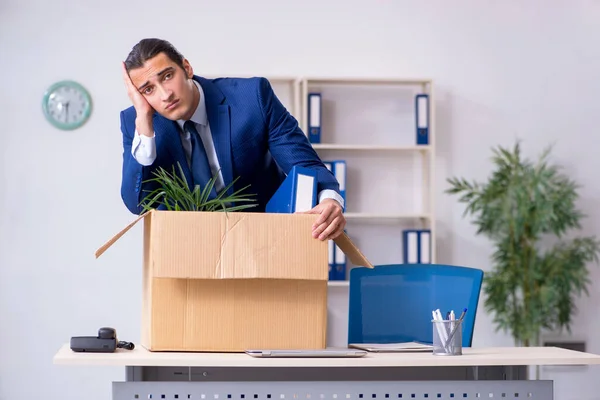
x: 406, y: 347
x: 317, y: 353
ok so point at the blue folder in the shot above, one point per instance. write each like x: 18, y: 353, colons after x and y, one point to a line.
x: 422, y: 118
x: 297, y: 193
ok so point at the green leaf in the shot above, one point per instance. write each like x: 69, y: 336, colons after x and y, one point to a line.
x: 174, y: 194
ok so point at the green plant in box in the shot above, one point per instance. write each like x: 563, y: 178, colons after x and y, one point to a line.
x: 533, y: 284
x: 174, y: 193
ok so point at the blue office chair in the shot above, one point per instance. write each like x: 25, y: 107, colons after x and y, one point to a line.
x: 393, y: 303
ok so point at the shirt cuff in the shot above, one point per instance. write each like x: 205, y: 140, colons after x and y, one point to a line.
x: 331, y: 194
x: 143, y: 148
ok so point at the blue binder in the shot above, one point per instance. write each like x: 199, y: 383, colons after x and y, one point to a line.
x: 340, y: 264
x: 297, y: 193
x: 416, y: 246
x: 338, y: 169
x: 422, y: 118
x: 314, y: 117
x: 331, y: 253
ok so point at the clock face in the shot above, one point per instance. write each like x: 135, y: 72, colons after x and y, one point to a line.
x: 67, y: 105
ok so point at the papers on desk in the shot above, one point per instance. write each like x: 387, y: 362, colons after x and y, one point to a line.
x: 392, y: 347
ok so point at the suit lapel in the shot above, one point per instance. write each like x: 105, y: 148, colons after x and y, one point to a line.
x: 170, y: 136
x: 220, y: 127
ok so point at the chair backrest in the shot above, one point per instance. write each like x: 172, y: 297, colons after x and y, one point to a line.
x: 393, y: 303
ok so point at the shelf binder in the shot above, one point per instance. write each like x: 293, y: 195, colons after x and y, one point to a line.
x: 416, y: 246
x: 422, y: 118
x: 340, y: 264
x: 314, y: 117
x: 338, y: 168
x: 331, y: 252
x: 297, y: 193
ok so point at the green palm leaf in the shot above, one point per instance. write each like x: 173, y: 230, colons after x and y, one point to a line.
x: 174, y: 194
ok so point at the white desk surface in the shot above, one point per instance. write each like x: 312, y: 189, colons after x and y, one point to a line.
x: 471, y: 357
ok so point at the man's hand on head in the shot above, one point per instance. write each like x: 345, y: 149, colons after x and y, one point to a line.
x: 331, y: 221
x: 143, y: 109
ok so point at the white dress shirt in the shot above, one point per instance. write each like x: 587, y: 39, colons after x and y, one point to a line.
x: 143, y: 148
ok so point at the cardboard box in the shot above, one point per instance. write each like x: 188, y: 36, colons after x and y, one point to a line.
x: 228, y: 282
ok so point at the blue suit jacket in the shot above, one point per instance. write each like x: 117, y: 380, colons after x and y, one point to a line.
x: 255, y: 137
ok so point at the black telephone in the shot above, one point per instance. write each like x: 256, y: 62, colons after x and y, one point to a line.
x: 105, y: 342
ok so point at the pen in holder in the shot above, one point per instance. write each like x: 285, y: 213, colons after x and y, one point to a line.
x: 447, y: 337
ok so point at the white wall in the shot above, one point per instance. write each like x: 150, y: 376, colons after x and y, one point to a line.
x: 502, y: 70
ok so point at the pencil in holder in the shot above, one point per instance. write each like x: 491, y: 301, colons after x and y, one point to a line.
x: 447, y: 337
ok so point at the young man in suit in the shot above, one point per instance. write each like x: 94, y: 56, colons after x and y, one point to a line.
x: 236, y: 127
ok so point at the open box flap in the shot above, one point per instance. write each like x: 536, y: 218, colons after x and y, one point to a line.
x: 355, y: 256
x: 343, y: 241
x: 118, y: 235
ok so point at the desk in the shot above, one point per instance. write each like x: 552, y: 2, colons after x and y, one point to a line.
x: 479, y: 373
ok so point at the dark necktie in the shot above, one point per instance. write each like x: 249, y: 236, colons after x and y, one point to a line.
x: 201, y: 171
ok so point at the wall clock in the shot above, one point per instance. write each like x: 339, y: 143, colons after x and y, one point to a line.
x: 67, y: 105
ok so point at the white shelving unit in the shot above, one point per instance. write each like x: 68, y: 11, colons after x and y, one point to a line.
x: 370, y: 123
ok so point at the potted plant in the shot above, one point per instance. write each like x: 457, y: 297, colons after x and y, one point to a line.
x: 174, y: 193
x: 527, y: 209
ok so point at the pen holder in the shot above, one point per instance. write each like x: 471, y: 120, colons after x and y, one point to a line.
x: 447, y: 337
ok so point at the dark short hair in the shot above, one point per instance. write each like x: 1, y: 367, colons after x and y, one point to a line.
x: 146, y: 49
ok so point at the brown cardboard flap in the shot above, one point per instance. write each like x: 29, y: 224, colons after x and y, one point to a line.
x: 105, y: 247
x: 355, y: 256
x: 234, y: 239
